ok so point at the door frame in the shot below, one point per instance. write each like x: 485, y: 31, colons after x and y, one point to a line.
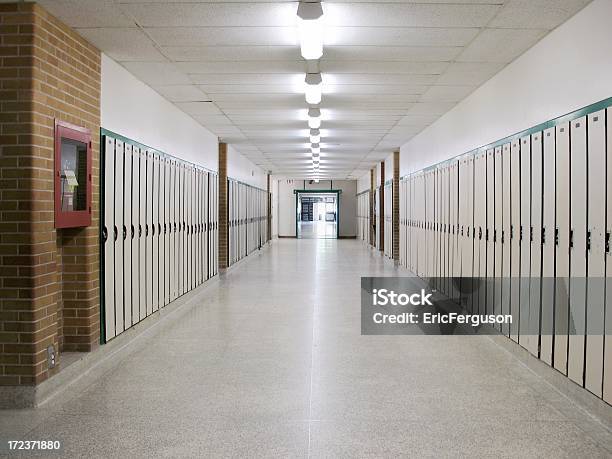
x: 305, y: 191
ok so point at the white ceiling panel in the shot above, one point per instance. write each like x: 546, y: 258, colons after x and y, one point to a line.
x: 212, y: 15
x: 123, y: 44
x: 182, y: 93
x: 87, y: 13
x: 394, y: 36
x: 393, y: 53
x: 224, y: 36
x: 408, y: 15
x: 230, y: 53
x: 447, y: 93
x: 157, y: 73
x: 500, y: 45
x: 469, y: 73
x: 390, y: 68
x: 540, y: 14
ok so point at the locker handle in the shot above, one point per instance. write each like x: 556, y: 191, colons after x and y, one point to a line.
x: 104, y: 234
x: 153, y: 229
x: 139, y: 230
x: 608, y: 242
x: 543, y: 236
x: 487, y: 234
x: 494, y: 235
x: 571, y: 238
x: 147, y: 230
x: 521, y: 233
x: 503, y: 236
x: 132, y: 231
x: 479, y: 233
x: 159, y: 228
x: 124, y: 233
x: 588, y: 240
x: 165, y: 229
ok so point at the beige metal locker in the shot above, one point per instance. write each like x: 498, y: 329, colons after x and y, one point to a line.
x: 110, y: 236
x: 578, y: 246
x: 515, y: 248
x: 607, y: 364
x: 120, y: 242
x: 525, y: 238
x: 498, y: 229
x: 596, y: 253
x: 506, y: 233
x: 562, y: 242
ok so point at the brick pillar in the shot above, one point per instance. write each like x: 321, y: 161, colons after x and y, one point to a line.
x: 381, y: 205
x: 223, y: 233
x: 372, y: 198
x: 396, y: 206
x: 269, y: 214
x: 49, y: 279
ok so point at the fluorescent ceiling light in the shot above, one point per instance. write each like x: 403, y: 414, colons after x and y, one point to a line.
x: 315, y: 139
x: 310, y: 27
x: 314, y: 123
x: 316, y: 149
x: 312, y: 88
x: 316, y: 180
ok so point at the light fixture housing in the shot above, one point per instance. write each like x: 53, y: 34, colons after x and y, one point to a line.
x: 310, y: 27
x: 315, y: 132
x: 313, y: 87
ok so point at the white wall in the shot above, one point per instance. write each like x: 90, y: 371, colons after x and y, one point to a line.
x: 131, y: 108
x: 568, y: 69
x: 363, y: 184
x: 347, y: 213
x: 240, y: 168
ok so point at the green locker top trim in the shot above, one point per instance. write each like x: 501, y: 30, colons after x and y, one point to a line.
x: 106, y: 132
x: 317, y: 191
x: 246, y: 184
x: 362, y: 192
x: 595, y: 107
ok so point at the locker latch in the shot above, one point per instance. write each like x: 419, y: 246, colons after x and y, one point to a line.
x: 480, y: 233
x: 124, y: 232
x: 116, y: 233
x: 494, y: 235
x: 531, y: 234
x: 556, y: 236
x: 521, y: 233
x: 147, y: 230
x: 104, y: 234
x: 487, y: 234
x: 571, y: 238
x: 133, y: 232
x: 503, y: 236
x: 511, y: 231
x: 139, y: 230
x: 607, y: 242
x: 543, y: 235
x: 588, y: 240
x: 165, y: 229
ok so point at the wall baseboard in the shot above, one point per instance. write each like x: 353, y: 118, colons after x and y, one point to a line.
x: 347, y: 237
x: 286, y: 237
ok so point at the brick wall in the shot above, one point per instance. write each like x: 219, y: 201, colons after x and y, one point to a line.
x: 396, y: 205
x: 48, y: 279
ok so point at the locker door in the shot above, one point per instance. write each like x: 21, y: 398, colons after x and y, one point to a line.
x: 127, y: 246
x: 155, y: 226
x: 578, y: 235
x: 490, y: 233
x: 188, y: 229
x: 481, y: 235
x: 172, y: 230
x: 533, y: 327
x: 506, y: 234
x: 142, y: 237
x: 562, y: 268
x: 596, y: 253
x: 198, y: 232
x: 167, y: 230
x: 161, y: 230
x: 216, y: 215
x: 525, y: 237
x: 515, y: 248
x: 548, y: 245
x: 149, y: 232
x: 183, y: 206
x: 176, y: 230
x: 498, y: 203
x: 607, y: 364
x: 209, y: 215
x: 135, y: 237
x: 110, y: 231
x: 122, y: 236
x: 471, y: 229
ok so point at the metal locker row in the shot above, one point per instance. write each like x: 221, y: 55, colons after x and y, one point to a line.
x: 363, y: 216
x: 388, y: 228
x: 523, y: 227
x: 247, y: 219
x: 153, y: 232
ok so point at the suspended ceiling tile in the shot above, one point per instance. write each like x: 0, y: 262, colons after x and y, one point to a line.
x: 393, y: 36
x: 408, y: 15
x: 500, y: 45
x: 123, y: 44
x: 182, y: 93
x: 541, y: 14
x: 393, y: 53
x: 373, y: 89
x: 230, y: 53
x: 199, y: 108
x: 215, y: 15
x: 243, y: 67
x: 431, y: 108
x: 224, y: 36
x: 417, y: 120
x: 157, y: 73
x: 260, y: 89
x: 236, y: 79
x: 469, y: 73
x: 383, y: 67
x: 87, y: 13
x: 379, y: 79
x: 447, y: 93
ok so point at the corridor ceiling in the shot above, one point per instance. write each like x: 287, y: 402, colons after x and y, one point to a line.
x: 390, y: 68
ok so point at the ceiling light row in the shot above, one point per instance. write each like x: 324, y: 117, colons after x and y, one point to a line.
x: 310, y: 28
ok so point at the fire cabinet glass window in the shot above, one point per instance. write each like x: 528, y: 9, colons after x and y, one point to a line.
x: 73, y: 175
